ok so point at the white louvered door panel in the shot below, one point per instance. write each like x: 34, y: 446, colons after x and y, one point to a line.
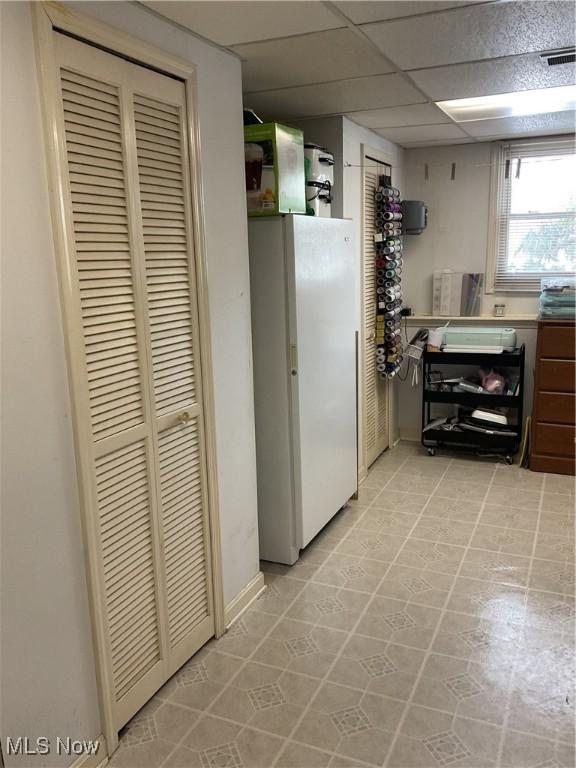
x: 139, y: 414
x: 173, y: 327
x: 375, y: 390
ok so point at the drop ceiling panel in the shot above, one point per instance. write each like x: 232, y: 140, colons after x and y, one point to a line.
x: 361, y: 12
x: 333, y: 98
x: 423, y: 133
x: 527, y: 125
x: 228, y: 23
x: 476, y: 32
x: 486, y: 78
x: 391, y: 117
x: 441, y: 143
x: 315, y: 58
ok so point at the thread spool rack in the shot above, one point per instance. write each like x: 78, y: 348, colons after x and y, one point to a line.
x: 388, y: 271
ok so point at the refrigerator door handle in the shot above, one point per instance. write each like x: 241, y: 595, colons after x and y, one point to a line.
x: 293, y: 360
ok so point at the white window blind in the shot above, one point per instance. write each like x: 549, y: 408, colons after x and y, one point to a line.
x: 534, y: 213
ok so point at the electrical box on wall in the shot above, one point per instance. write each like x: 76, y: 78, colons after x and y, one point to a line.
x: 414, y: 217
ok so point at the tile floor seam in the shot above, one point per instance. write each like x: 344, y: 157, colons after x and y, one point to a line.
x: 344, y: 532
x: 515, y: 665
x: 250, y: 657
x: 435, y: 634
x: 206, y: 712
x: 374, y: 593
x: 538, y: 524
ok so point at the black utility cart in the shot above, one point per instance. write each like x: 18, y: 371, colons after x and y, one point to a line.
x: 506, y: 444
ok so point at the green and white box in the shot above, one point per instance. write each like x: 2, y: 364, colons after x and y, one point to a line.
x: 274, y: 162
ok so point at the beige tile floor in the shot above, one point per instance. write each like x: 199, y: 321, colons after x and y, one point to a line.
x: 430, y: 624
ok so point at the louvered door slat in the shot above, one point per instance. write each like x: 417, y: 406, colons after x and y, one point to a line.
x: 114, y: 368
x: 182, y: 513
x: 163, y: 270
x: 135, y: 326
x: 370, y: 404
x: 375, y: 396
x: 114, y: 550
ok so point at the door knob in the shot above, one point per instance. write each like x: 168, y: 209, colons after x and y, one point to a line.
x: 184, y: 418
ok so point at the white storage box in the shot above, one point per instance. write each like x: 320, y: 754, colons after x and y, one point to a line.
x: 480, y: 339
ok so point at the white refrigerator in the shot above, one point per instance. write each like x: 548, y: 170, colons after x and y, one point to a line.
x: 304, y: 298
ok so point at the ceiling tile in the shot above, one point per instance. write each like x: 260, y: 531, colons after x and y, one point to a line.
x: 333, y: 98
x: 440, y: 143
x: 477, y: 32
x: 230, y: 22
x: 485, y: 78
x: 361, y: 12
x: 422, y: 133
x: 554, y: 122
x: 391, y: 117
x: 315, y: 58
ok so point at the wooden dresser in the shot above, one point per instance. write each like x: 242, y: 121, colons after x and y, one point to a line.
x: 553, y: 413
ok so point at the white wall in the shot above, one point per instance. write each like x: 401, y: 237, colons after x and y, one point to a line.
x: 48, y: 678
x: 354, y: 137
x: 457, y: 234
x: 456, y: 238
x: 48, y: 682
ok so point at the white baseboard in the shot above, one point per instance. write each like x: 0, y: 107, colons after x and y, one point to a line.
x: 243, y: 599
x: 98, y: 760
x: 410, y: 434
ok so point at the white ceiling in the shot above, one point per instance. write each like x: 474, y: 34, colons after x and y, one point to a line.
x: 384, y: 64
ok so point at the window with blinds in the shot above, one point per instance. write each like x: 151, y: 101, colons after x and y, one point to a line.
x: 534, y: 213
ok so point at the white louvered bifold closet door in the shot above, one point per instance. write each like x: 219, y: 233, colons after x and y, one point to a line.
x: 375, y: 390
x: 136, y: 372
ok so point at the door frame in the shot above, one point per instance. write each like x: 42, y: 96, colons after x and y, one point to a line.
x: 377, y: 154
x: 48, y: 18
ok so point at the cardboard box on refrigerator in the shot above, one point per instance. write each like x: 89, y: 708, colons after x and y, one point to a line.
x: 274, y: 163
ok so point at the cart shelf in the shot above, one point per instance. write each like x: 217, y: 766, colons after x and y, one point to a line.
x: 500, y: 443
x: 473, y: 399
x: 500, y: 360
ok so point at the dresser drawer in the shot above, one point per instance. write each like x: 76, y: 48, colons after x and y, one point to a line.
x: 554, y: 440
x: 556, y: 408
x: 557, y: 341
x: 556, y: 376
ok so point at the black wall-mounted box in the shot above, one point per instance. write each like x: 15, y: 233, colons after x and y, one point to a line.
x: 414, y: 217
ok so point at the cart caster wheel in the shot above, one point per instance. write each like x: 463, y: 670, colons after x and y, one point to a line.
x: 431, y: 452
x: 509, y: 460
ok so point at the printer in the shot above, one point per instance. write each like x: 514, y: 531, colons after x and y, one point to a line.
x: 470, y: 339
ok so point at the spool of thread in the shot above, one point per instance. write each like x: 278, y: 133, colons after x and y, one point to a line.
x: 380, y: 281
x: 380, y: 290
x: 392, y: 216
x: 389, y: 191
x: 392, y: 207
x: 380, y: 273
